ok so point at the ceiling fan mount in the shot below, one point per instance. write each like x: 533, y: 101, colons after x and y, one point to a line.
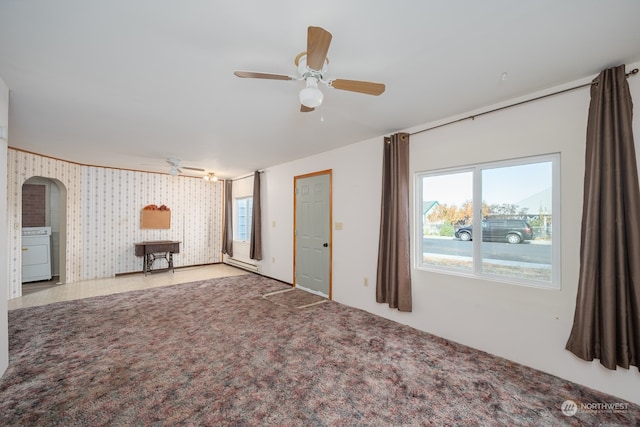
x: 312, y: 67
x: 304, y: 71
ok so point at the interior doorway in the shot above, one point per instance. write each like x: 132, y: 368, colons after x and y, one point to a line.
x: 44, y: 206
x: 312, y: 233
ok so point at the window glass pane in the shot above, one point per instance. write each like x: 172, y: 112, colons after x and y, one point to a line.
x: 446, y: 207
x: 513, y: 206
x: 517, y: 221
x: 242, y: 226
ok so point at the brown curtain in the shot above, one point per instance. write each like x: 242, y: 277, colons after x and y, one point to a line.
x: 255, y: 248
x: 606, y: 324
x: 393, y: 284
x: 227, y: 235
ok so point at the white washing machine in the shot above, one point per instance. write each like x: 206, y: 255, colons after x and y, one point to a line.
x: 36, y: 254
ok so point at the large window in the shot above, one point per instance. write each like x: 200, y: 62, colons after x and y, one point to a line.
x: 242, y: 226
x: 496, y: 220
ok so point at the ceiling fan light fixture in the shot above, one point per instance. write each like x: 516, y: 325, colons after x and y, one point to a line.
x: 210, y: 177
x: 173, y: 171
x: 312, y: 65
x: 311, y: 96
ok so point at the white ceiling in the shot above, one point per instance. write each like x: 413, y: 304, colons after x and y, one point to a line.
x: 126, y: 84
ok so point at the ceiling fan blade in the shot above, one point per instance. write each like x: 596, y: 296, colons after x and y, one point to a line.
x: 253, y: 75
x: 193, y: 169
x: 318, y: 41
x: 305, y: 109
x: 368, y: 88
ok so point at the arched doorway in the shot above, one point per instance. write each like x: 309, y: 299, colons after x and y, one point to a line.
x: 44, y: 206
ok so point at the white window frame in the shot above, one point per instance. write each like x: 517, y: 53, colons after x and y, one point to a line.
x: 476, y: 272
x: 236, y: 220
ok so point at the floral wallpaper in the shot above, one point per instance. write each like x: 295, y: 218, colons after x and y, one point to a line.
x: 103, y: 208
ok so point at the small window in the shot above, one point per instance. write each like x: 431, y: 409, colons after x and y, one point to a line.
x: 497, y: 221
x: 242, y: 226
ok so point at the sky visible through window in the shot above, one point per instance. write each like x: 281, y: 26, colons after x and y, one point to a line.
x: 502, y: 185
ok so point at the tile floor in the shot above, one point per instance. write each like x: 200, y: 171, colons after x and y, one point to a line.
x: 31, y: 287
x: 129, y: 282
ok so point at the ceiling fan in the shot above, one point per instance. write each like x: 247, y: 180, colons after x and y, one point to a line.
x: 312, y: 66
x: 176, y: 168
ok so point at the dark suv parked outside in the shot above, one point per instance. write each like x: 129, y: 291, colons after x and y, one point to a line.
x: 499, y: 230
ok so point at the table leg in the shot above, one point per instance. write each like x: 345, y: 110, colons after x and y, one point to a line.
x: 150, y: 258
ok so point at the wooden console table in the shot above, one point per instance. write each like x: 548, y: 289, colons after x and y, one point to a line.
x: 158, y: 249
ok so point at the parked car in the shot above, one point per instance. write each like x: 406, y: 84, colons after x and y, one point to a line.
x: 499, y: 230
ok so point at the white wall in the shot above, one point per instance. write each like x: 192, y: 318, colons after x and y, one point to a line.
x: 356, y: 188
x: 527, y: 325
x: 4, y: 324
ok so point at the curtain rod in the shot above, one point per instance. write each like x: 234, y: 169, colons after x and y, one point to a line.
x: 250, y: 175
x: 629, y: 74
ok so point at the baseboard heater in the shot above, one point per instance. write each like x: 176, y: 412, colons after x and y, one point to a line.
x: 242, y: 264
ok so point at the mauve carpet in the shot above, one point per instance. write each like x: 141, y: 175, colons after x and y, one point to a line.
x: 217, y: 353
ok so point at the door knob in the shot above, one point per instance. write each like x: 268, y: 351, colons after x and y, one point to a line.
x: 326, y: 245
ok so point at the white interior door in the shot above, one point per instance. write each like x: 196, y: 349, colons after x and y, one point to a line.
x: 313, y: 233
